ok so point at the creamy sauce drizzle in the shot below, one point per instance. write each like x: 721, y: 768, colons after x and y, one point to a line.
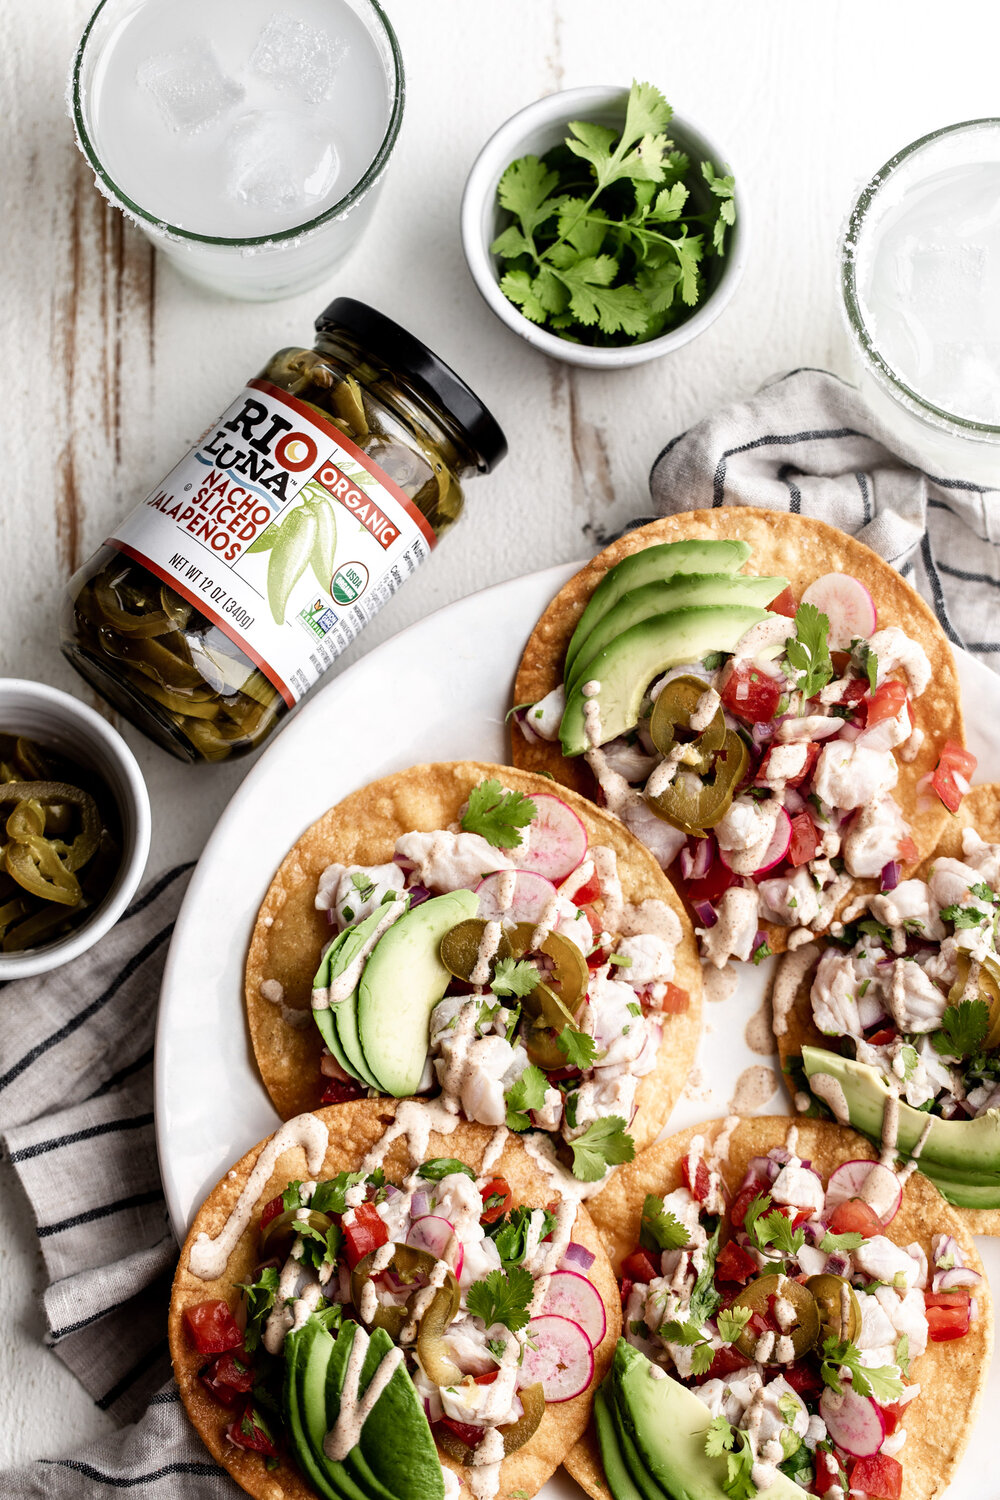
x: 353, y: 1414
x: 346, y: 983
x: 493, y: 1151
x: 829, y: 1089
x: 209, y: 1256
x: 272, y: 990
x: 905, y: 1173
x: 791, y: 972
x: 759, y: 1031
x: 492, y: 932
x: 754, y: 1087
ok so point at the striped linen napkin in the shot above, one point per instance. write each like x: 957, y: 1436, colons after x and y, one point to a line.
x: 76, y: 1094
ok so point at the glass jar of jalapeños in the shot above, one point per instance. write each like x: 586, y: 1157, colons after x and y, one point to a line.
x: 228, y: 592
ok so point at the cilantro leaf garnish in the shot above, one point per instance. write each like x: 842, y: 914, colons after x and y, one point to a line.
x: 605, y: 1143
x: 579, y: 1048
x: 770, y: 1231
x: 832, y: 1242
x: 704, y: 1297
x: 502, y: 1297
x: 330, y: 1197
x: 609, y: 247
x: 660, y: 1229
x: 692, y: 1337
x: 731, y: 1322
x: 903, y: 1353
x: 497, y: 815
x: 514, y: 977
x: 259, y: 1298
x: 510, y: 1235
x: 443, y: 1166
x: 525, y: 1093
x: 762, y: 951
x: 363, y: 884
x: 963, y: 1029
x: 867, y: 661
x: 963, y: 916
x: 722, y: 1439
x: 983, y: 892
x: 880, y: 1381
x: 319, y: 1246
x: 808, y: 650
x: 292, y: 1196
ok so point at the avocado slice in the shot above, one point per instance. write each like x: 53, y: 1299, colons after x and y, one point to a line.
x: 340, y: 1021
x: 667, y: 1425
x: 324, y: 1018
x: 620, y: 1481
x: 402, y: 982
x: 683, y: 591
x: 963, y: 1194
x: 965, y: 1152
x: 629, y: 664
x: 311, y: 1344
x: 395, y: 1458
x: 653, y: 565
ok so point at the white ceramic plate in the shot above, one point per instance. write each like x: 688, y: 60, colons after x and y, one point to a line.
x: 438, y: 691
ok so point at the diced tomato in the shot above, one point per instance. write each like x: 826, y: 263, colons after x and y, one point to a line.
x: 486, y: 1379
x: 365, y: 1234
x: 853, y: 691
x: 813, y: 748
x: 948, y: 1315
x: 885, y: 703
x: 726, y: 1362
x: 751, y: 694
x: 340, y: 1090
x: 228, y: 1378
x: 640, y: 1266
x: 784, y: 604
x: 733, y: 1263
x: 466, y: 1432
x: 906, y: 848
x: 742, y: 1202
x: 627, y: 1285
x: 955, y: 761
x: 711, y: 886
x: 878, y: 1476
x: 675, y: 1000
x: 855, y: 1217
x: 892, y: 1415
x: 211, y: 1327
x: 563, y: 1075
x: 248, y: 1432
x: 805, y: 840
x: 697, y: 1181
x: 589, y: 891
x: 883, y: 1037
x: 271, y: 1211
x: 804, y: 1378
x: 827, y: 1473
x: 497, y: 1187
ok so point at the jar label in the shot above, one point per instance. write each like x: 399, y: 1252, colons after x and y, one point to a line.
x: 283, y: 532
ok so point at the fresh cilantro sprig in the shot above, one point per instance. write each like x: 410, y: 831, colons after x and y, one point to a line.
x: 963, y: 1029
x: 363, y: 884
x: 963, y: 916
x: 692, y: 1337
x: 579, y: 1049
x: 983, y: 892
x: 496, y: 815
x: 515, y: 977
x: 831, y: 1243
x: 722, y: 1439
x: 606, y: 1143
x: 705, y: 1299
x: 866, y: 660
x: 443, y: 1166
x: 611, y: 252
x: 808, y: 650
x: 903, y: 1353
x: 502, y: 1297
x: 879, y: 1381
x: 258, y: 1297
x: 769, y: 1231
x: 510, y: 1235
x: 525, y: 1093
x: 660, y: 1229
x: 330, y: 1197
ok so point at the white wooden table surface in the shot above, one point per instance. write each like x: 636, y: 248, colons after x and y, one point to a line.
x: 112, y: 365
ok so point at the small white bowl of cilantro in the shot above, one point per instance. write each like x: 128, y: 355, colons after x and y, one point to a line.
x: 602, y: 228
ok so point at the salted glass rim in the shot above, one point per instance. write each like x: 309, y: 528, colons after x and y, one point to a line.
x: 277, y: 237
x: 865, y: 201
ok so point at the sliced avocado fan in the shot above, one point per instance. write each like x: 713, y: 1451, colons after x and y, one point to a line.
x: 653, y: 565
x: 640, y: 654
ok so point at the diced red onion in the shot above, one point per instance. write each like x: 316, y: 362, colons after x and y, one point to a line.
x: 420, y: 1204
x: 813, y: 1232
x: 761, y: 1169
x: 521, y: 720
x: 838, y: 1264
x: 390, y: 1190
x: 577, y: 1255
x: 331, y: 916
x: 705, y: 912
x: 761, y: 937
x: 890, y: 875
x: 418, y: 894
x: 408, y: 865
x: 697, y: 865
x: 762, y: 734
x: 945, y: 1281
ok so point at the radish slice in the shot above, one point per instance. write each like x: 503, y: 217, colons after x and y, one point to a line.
x: 436, y: 1235
x: 776, y: 849
x: 869, y: 1180
x: 848, y: 606
x: 532, y: 895
x: 573, y: 1296
x: 557, y: 840
x: 561, y: 1358
x: 854, y: 1422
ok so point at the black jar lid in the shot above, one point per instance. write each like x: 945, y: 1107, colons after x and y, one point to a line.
x: 403, y: 352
